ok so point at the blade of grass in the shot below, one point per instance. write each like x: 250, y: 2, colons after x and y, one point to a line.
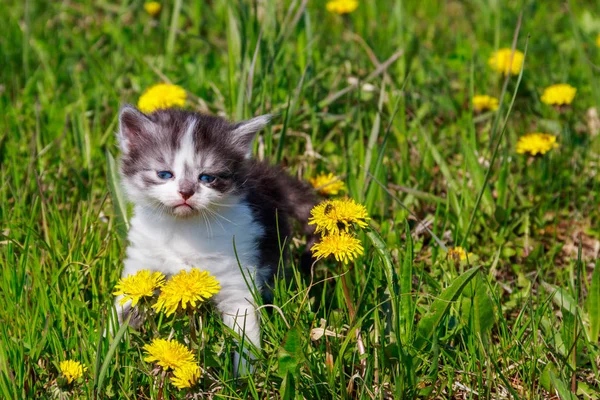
x: 292, y: 101
x: 375, y: 128
x: 406, y: 277
x: 390, y: 272
x: 173, y: 28
x: 99, y: 384
x: 593, y: 303
x: 499, y: 140
x: 432, y: 319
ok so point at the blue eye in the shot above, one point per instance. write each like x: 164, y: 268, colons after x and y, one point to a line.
x: 164, y: 174
x: 207, y: 178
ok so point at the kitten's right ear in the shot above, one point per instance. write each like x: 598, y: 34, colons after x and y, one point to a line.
x: 243, y: 133
x: 133, y: 127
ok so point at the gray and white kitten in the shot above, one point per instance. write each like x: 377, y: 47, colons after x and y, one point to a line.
x: 201, y: 201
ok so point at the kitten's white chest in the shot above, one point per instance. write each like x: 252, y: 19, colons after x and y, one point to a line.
x: 213, y: 244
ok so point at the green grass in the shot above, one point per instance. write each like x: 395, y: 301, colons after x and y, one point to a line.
x: 519, y: 320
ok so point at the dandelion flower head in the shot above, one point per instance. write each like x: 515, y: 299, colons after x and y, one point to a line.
x: 186, y: 289
x: 500, y: 61
x: 485, y: 102
x: 161, y: 96
x: 142, y: 284
x: 152, y: 8
x: 327, y: 184
x: 169, y: 354
x: 333, y: 216
x: 342, y: 6
x: 559, y: 94
x: 598, y: 40
x: 71, y: 370
x: 458, y: 253
x: 536, y: 143
x: 186, y: 376
x: 343, y: 246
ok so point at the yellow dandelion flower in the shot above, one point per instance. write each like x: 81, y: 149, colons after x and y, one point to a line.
x: 327, y: 184
x: 169, y: 354
x: 559, y: 94
x: 161, y: 96
x: 598, y: 40
x: 186, y: 289
x: 142, y: 284
x: 536, y: 143
x: 333, y: 216
x: 343, y: 246
x: 500, y: 61
x: 458, y: 253
x: 342, y: 6
x: 186, y: 376
x: 485, y: 102
x: 71, y: 370
x: 152, y: 8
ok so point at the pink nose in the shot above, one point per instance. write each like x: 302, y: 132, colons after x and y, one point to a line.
x: 186, y: 194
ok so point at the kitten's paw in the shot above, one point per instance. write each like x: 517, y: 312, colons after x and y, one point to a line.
x: 135, y: 318
x: 126, y: 311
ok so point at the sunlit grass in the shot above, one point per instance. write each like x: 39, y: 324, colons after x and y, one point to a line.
x: 381, y: 97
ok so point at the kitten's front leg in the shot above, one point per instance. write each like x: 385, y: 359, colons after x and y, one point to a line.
x: 239, y: 314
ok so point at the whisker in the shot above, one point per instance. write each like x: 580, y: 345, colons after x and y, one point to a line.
x: 212, y: 203
x: 212, y: 212
x: 220, y: 216
x: 207, y: 217
x: 207, y: 223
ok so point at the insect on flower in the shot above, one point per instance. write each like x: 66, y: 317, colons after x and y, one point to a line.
x: 333, y: 216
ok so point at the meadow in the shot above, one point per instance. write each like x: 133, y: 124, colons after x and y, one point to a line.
x: 479, y: 275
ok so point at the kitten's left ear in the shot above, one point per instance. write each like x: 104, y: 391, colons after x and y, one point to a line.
x: 243, y: 133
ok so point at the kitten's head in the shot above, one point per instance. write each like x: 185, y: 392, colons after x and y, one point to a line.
x: 180, y: 163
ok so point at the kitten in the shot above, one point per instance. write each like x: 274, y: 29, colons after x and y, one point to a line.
x: 200, y: 200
